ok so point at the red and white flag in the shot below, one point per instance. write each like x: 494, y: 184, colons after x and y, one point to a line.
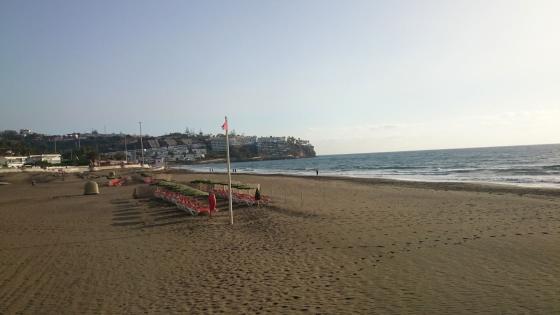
x: 225, y: 125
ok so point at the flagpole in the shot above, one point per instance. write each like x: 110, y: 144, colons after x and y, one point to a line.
x: 229, y: 174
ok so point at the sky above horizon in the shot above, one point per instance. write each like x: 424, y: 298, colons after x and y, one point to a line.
x: 351, y: 76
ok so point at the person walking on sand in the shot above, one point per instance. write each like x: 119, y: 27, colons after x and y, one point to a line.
x: 211, y: 203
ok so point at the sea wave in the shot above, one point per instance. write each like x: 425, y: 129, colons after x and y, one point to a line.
x: 527, y: 165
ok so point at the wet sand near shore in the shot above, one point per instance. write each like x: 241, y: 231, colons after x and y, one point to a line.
x: 326, y: 245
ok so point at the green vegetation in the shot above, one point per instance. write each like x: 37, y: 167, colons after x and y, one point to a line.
x: 10, y: 140
x: 209, y: 182
x: 182, y: 189
x: 43, y: 164
x: 82, y: 156
x: 119, y: 156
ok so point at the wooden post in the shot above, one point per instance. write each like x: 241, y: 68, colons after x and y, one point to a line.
x: 229, y: 174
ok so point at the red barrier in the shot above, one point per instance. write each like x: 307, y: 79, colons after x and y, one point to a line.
x: 241, y: 198
x: 188, y: 204
x: 115, y: 182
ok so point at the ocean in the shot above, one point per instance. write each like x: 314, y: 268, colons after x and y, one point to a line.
x: 534, y: 165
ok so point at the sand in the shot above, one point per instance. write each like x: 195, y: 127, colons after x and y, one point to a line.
x: 329, y: 246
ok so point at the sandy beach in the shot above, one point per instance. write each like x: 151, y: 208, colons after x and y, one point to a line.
x: 325, y: 245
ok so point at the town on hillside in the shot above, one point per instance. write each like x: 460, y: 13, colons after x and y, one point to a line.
x: 28, y: 148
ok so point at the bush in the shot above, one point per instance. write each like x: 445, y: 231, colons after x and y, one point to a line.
x: 182, y: 189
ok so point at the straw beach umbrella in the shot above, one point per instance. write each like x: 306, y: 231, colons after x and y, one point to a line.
x: 91, y: 188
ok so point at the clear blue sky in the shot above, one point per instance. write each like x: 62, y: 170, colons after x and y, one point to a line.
x: 351, y: 76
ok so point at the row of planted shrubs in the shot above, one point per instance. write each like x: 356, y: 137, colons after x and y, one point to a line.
x: 182, y: 189
x: 209, y: 182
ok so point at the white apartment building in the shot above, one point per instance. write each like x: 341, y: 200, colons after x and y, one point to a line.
x: 12, y: 161
x: 218, y: 144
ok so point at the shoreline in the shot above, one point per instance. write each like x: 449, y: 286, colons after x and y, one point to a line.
x: 234, y: 160
x: 443, y: 185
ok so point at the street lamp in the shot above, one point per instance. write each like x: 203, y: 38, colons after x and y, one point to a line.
x: 141, y: 143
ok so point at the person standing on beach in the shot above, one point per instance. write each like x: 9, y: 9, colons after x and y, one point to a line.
x: 258, y: 197
x: 211, y: 203
x: 317, y: 171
